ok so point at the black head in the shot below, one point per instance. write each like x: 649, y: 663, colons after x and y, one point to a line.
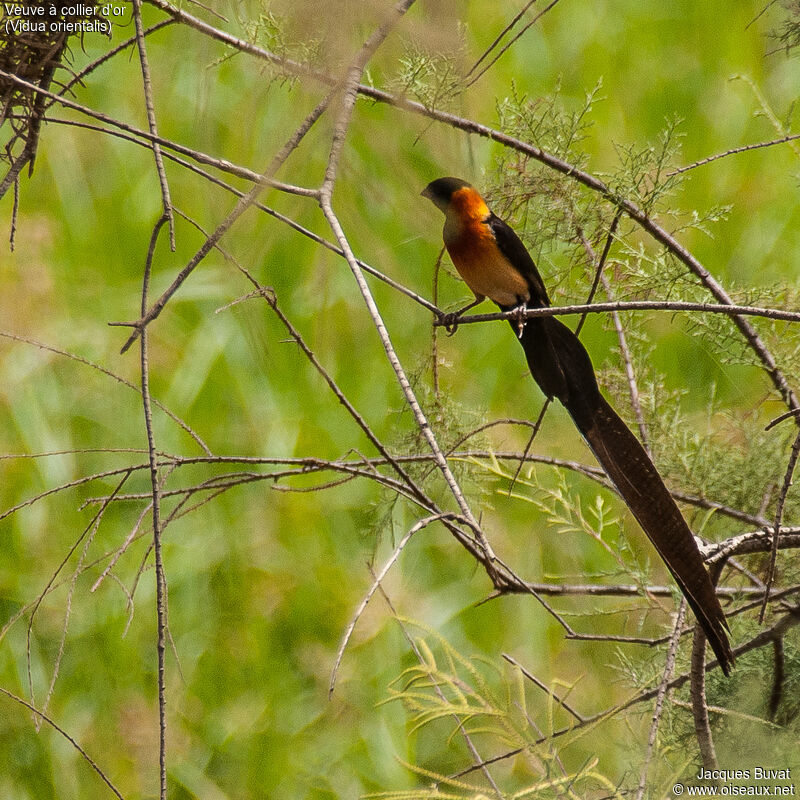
x: 441, y: 190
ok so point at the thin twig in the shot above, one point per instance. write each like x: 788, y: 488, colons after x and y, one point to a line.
x: 40, y: 599
x: 511, y: 42
x: 109, y: 54
x: 776, y: 529
x: 630, y: 374
x: 598, y: 263
x: 544, y: 687
x: 526, y: 452
x: 669, y: 669
x: 149, y: 105
x: 632, y: 305
x: 499, y: 37
x: 161, y: 583
x: 733, y: 151
x: 312, y: 464
x: 373, y: 588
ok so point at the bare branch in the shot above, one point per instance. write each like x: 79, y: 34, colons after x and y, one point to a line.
x: 733, y: 151
x: 161, y: 581
x: 776, y: 530
x: 669, y: 669
x: 634, y: 305
x: 149, y: 105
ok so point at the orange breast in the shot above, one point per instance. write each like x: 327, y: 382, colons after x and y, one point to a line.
x: 475, y: 254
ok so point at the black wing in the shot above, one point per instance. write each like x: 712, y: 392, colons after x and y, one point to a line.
x: 512, y: 248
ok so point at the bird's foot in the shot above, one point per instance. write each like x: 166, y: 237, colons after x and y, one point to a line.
x: 450, y: 322
x: 520, y: 317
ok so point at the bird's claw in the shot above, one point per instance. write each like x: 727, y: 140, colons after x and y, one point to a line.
x: 450, y: 322
x: 520, y: 317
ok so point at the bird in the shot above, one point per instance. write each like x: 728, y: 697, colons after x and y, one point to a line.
x: 495, y: 264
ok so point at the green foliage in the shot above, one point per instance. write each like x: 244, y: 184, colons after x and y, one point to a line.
x: 447, y: 692
x: 433, y: 79
x: 548, y: 206
x: 271, y: 31
x: 788, y: 34
x: 644, y: 175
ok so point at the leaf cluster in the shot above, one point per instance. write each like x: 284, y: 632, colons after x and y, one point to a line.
x: 459, y: 697
x: 434, y: 79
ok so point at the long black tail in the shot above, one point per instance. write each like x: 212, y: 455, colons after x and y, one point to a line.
x: 562, y: 368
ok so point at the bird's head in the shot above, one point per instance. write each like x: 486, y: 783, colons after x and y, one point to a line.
x: 440, y: 192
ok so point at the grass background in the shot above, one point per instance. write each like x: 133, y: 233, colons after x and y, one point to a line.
x: 262, y: 583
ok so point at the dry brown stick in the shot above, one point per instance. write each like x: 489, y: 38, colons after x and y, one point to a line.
x: 597, y: 263
x: 34, y: 123
x: 161, y: 582
x: 149, y: 105
x: 760, y: 541
x: 776, y: 530
x: 669, y: 669
x: 634, y: 305
x: 437, y: 269
x: 592, y: 472
x: 272, y: 301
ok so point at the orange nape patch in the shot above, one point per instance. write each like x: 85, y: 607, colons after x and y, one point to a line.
x: 468, y: 204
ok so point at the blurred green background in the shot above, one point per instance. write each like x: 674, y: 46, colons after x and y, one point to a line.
x: 263, y: 582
